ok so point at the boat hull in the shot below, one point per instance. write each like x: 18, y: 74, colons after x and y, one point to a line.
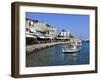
x: 70, y: 50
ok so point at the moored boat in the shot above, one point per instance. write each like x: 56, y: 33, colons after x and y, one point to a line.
x: 73, y: 46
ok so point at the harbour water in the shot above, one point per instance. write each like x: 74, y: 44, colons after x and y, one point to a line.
x: 53, y: 56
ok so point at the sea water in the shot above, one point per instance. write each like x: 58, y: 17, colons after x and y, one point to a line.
x: 53, y: 56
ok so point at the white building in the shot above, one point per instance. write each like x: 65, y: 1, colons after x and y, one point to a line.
x: 39, y: 29
x: 64, y: 33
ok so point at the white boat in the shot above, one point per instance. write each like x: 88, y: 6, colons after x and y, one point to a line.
x: 73, y: 46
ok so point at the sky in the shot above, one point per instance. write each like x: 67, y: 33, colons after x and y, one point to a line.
x: 77, y: 24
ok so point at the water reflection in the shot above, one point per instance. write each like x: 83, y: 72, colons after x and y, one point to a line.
x: 70, y: 58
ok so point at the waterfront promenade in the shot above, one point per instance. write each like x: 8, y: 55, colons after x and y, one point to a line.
x: 36, y: 47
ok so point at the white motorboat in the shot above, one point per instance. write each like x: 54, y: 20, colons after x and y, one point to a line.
x: 73, y: 46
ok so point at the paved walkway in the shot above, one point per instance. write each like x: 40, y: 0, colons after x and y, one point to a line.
x: 36, y: 47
